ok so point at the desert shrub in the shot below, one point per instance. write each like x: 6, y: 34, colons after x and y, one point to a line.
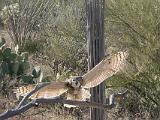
x: 67, y: 51
x: 25, y: 20
x: 53, y: 29
x: 134, y: 25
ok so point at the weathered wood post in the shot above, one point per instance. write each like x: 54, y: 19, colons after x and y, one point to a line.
x: 95, y: 39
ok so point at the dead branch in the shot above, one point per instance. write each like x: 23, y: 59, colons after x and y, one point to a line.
x: 22, y: 107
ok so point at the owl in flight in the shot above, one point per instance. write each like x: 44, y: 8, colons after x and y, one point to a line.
x: 76, y: 88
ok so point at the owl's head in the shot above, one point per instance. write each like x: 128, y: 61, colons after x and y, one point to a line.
x: 76, y: 82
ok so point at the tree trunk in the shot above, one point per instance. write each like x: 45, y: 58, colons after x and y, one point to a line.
x: 95, y: 39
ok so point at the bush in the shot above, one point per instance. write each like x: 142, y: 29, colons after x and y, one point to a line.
x: 134, y: 25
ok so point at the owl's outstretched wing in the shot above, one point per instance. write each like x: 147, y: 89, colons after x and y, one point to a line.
x: 49, y: 91
x: 105, y: 69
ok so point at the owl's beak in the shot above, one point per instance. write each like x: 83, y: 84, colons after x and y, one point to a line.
x: 76, y: 83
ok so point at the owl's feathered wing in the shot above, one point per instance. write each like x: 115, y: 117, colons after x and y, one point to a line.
x: 49, y: 91
x: 105, y: 69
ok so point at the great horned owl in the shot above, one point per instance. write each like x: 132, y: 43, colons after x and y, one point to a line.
x: 76, y: 87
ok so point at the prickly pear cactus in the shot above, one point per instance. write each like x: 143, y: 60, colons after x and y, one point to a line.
x: 14, y: 67
x: 11, y: 63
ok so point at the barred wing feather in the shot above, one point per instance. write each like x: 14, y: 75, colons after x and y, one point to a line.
x: 105, y: 69
x: 49, y: 91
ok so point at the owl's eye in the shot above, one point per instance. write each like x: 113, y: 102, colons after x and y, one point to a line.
x: 74, y: 80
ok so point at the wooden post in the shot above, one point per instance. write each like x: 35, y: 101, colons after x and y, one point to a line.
x: 95, y: 41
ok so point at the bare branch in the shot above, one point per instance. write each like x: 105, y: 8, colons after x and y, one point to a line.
x: 13, y: 112
x: 22, y: 107
x: 76, y: 103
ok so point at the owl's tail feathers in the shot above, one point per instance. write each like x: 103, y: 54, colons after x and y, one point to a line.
x: 23, y: 90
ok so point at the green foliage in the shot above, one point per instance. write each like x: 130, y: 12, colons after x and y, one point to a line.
x: 27, y: 79
x: 35, y: 77
x: 15, y: 66
x: 12, y: 63
x: 135, y: 25
x: 67, y: 43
